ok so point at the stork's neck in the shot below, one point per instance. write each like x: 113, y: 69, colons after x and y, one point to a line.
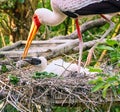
x: 49, y: 17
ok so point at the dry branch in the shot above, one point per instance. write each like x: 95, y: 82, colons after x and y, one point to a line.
x: 7, y: 48
x: 55, y: 51
x: 84, y: 27
x: 65, y: 48
x: 89, y: 44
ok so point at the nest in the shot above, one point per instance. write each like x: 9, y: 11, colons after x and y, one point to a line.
x: 30, y: 92
x: 33, y: 93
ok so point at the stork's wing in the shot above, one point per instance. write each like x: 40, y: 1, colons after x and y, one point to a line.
x: 74, y: 8
x: 73, y: 5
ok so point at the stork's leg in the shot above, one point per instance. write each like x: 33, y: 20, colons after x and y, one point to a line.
x: 80, y: 44
x: 110, y: 28
x: 103, y: 36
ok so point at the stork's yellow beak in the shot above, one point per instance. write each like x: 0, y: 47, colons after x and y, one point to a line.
x: 32, y: 33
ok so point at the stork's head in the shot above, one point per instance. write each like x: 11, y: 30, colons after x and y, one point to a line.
x: 42, y: 16
x: 36, y: 22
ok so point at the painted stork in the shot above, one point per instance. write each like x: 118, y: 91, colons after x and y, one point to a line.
x: 74, y: 9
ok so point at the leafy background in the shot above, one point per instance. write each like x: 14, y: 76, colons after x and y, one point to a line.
x: 15, y: 21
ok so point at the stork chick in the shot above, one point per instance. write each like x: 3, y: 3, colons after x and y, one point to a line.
x: 39, y: 63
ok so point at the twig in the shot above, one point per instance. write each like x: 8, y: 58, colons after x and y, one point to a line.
x: 1, y: 110
x: 95, y: 45
x: 110, y: 103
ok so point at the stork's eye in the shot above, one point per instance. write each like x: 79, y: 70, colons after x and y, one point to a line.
x: 35, y: 16
x: 36, y: 20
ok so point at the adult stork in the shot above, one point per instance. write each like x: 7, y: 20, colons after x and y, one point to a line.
x: 74, y: 9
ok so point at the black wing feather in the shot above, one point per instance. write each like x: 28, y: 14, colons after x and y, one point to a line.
x: 104, y: 7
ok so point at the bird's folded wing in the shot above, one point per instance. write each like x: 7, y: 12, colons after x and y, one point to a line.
x: 75, y: 8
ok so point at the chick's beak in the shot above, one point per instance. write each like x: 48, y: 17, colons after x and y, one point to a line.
x: 32, y: 33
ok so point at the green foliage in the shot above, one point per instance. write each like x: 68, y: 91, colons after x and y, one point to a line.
x: 111, y: 42
x: 105, y: 47
x: 8, y: 4
x: 93, y: 69
x: 106, y: 83
x: 21, y: 1
x: 13, y: 79
x: 6, y: 38
x: 4, y: 69
x: 115, y: 108
x: 111, y: 45
x: 115, y: 54
x: 42, y: 75
x: 10, y: 108
x: 64, y: 109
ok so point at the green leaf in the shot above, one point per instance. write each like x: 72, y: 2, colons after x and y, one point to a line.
x: 41, y: 75
x: 104, y: 47
x: 114, y: 89
x: 98, y: 87
x: 93, y: 69
x: 118, y: 90
x: 13, y: 79
x: 111, y: 42
x: 104, y: 92
x: 95, y: 81
x: 4, y: 69
x: 111, y: 79
x: 21, y: 1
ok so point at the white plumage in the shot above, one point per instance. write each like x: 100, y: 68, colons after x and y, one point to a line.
x: 66, y: 69
x: 72, y: 5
